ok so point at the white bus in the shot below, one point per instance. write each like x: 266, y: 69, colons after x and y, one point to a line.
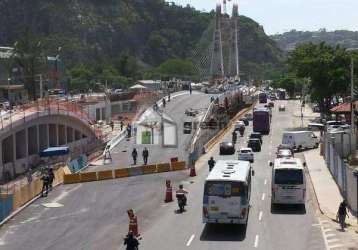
x: 227, y: 193
x: 288, y: 185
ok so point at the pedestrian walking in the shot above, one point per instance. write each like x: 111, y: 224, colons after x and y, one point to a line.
x: 169, y: 97
x: 131, y: 241
x: 129, y: 131
x: 121, y: 124
x: 112, y: 125
x: 211, y: 163
x: 134, y: 156
x: 145, y: 155
x: 342, y: 213
x: 190, y: 89
x: 51, y: 176
x: 164, y: 102
x: 45, y: 182
x: 29, y: 174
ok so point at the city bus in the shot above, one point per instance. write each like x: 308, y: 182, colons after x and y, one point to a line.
x: 261, y: 120
x: 288, y: 185
x: 227, y: 192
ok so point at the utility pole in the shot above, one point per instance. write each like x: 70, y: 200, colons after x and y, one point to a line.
x: 41, y: 87
x: 352, y: 96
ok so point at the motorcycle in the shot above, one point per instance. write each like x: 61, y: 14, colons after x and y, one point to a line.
x: 181, y: 203
x: 234, y: 138
x: 242, y: 130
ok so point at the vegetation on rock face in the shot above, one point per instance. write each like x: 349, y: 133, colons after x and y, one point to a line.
x: 122, y: 40
x: 289, y: 40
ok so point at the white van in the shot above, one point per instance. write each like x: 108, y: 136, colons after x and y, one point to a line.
x: 300, y: 139
x: 288, y: 182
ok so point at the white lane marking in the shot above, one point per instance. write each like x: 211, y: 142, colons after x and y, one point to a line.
x: 265, y: 182
x: 190, y: 240
x: 64, y: 194
x: 329, y: 235
x: 263, y: 196
x: 256, y: 244
x: 316, y: 225
x: 332, y: 240
x: 327, y: 230
x: 260, y: 216
x: 335, y: 246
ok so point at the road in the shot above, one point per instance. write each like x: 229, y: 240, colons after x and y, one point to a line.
x: 121, y: 154
x: 286, y: 228
x: 93, y: 215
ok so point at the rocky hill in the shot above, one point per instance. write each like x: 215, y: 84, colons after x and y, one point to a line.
x: 150, y: 31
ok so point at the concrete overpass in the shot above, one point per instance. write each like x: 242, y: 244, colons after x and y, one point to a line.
x: 37, y: 126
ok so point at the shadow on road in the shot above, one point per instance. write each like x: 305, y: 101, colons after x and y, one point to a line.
x: 288, y: 209
x: 223, y: 232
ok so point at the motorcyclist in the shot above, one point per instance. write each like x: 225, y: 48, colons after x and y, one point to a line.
x: 181, y: 194
x: 234, y: 137
x: 211, y: 163
x: 242, y: 130
x: 131, y: 242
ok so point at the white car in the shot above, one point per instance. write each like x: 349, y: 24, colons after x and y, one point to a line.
x: 239, y: 124
x: 246, y: 154
x: 282, y: 108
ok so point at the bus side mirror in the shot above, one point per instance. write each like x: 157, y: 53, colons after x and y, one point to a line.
x: 270, y: 163
x: 253, y: 172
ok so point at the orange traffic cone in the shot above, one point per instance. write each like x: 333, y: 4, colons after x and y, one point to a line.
x: 192, y: 171
x: 168, y: 192
x: 133, y: 223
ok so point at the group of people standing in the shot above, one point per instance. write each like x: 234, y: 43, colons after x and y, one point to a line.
x: 145, y: 155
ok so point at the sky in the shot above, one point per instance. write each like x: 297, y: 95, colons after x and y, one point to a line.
x: 278, y: 16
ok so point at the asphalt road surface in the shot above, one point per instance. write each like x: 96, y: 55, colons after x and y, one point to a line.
x: 121, y: 154
x: 93, y: 215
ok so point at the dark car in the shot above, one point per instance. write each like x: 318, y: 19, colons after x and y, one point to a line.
x: 254, y: 144
x: 271, y: 104
x: 227, y: 148
x: 245, y: 120
x: 256, y: 135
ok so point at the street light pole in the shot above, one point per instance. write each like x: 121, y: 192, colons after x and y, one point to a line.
x: 352, y: 95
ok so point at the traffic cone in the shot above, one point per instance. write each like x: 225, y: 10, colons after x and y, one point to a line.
x: 192, y: 171
x: 168, y: 192
x: 133, y: 223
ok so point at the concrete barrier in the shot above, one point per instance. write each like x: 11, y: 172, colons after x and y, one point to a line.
x: 88, y: 176
x: 149, y: 169
x: 163, y: 167
x: 71, y: 178
x: 105, y: 175
x: 120, y: 173
x: 135, y: 171
x: 179, y: 165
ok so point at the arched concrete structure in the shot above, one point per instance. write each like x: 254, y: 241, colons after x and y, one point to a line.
x: 21, y: 142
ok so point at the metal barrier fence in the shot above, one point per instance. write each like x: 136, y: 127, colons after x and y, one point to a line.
x: 342, y: 173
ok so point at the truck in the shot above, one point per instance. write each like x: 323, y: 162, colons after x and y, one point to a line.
x: 300, y: 140
x: 281, y: 94
x: 261, y: 120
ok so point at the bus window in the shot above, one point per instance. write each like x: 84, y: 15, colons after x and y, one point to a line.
x: 225, y: 189
x: 289, y: 176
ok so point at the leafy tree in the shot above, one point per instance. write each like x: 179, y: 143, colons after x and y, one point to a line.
x: 28, y: 54
x: 326, y: 67
x: 177, y: 67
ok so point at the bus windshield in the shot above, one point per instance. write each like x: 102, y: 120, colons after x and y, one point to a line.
x: 225, y: 189
x: 289, y: 176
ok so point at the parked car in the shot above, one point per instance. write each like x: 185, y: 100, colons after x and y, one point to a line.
x: 271, y: 104
x: 284, y: 153
x: 238, y: 125
x: 256, y: 135
x: 246, y: 154
x: 254, y: 144
x: 285, y: 146
x: 227, y: 148
x: 282, y: 108
x: 245, y: 120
